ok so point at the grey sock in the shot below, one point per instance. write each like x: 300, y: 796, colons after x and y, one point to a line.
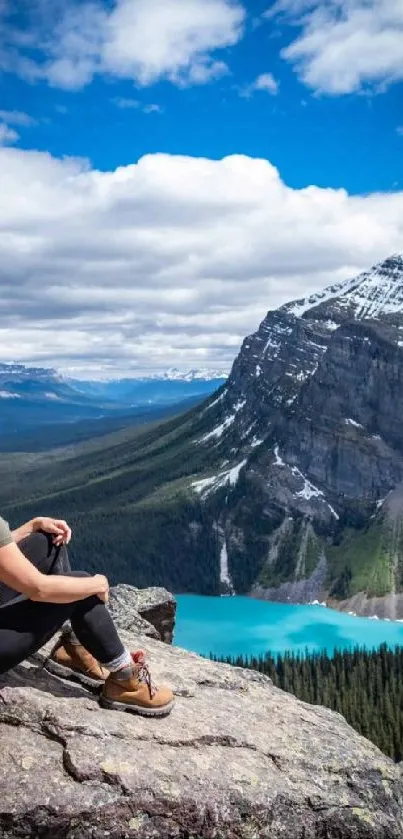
x: 122, y: 664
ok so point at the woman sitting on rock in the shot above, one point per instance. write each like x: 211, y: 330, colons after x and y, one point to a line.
x: 39, y: 594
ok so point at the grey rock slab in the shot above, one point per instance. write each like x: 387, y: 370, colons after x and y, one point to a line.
x: 150, y: 611
x: 236, y: 759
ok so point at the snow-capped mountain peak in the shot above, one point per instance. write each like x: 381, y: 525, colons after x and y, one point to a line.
x: 14, y: 372
x: 173, y: 374
x: 373, y: 293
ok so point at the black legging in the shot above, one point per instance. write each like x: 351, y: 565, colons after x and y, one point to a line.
x: 26, y: 625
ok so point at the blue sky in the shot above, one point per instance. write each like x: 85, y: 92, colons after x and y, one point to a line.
x: 146, y: 259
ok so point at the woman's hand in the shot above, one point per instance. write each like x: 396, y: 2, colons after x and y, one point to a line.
x: 102, y: 587
x: 57, y: 527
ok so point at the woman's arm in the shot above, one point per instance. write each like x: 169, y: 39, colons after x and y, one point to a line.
x: 23, y: 531
x: 58, y: 528
x: 17, y: 572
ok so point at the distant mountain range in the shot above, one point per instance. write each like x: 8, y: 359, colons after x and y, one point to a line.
x: 286, y: 484
x: 173, y: 374
x: 158, y: 389
x: 32, y: 397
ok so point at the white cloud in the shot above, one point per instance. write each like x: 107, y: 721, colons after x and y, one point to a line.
x: 345, y: 45
x: 134, y: 104
x: 265, y: 82
x: 153, y: 109
x: 17, y: 118
x: 169, y: 262
x: 143, y: 40
x: 7, y: 135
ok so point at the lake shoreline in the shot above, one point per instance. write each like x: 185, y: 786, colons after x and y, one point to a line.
x: 389, y: 607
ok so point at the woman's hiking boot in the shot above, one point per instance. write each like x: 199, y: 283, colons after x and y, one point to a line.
x: 131, y: 689
x: 68, y: 658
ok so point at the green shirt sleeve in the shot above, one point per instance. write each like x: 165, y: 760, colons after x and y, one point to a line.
x: 5, y: 534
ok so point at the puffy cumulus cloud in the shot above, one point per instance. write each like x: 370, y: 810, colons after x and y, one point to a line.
x: 345, y: 45
x: 168, y: 262
x: 143, y: 40
x: 265, y: 82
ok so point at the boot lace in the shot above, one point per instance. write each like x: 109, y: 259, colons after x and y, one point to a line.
x: 143, y: 673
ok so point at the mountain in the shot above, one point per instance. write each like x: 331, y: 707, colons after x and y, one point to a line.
x: 31, y: 398
x: 173, y: 374
x: 287, y: 483
x: 160, y: 389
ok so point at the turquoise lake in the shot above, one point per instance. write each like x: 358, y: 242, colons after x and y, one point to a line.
x: 240, y: 625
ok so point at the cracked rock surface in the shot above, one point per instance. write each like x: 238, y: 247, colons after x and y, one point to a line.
x: 236, y: 759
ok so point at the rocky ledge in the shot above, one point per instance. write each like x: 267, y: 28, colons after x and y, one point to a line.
x: 236, y: 759
x: 150, y: 611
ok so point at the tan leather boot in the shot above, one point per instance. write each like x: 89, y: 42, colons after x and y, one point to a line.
x: 67, y: 658
x: 131, y: 689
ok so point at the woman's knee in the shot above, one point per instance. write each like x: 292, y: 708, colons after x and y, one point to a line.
x: 49, y: 558
x: 36, y: 546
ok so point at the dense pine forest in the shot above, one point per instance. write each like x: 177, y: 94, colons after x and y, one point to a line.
x: 366, y: 687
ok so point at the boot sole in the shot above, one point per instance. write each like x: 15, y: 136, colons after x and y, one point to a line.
x: 136, y: 709
x: 66, y: 673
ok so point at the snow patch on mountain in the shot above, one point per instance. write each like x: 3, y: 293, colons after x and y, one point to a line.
x: 219, y: 430
x: 229, y: 477
x: 350, y: 421
x: 257, y: 441
x: 274, y: 340
x: 215, y: 401
x: 173, y: 374
x: 373, y: 293
x: 299, y: 307
x: 278, y: 460
x: 309, y: 490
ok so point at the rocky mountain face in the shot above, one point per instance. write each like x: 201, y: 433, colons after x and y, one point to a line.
x: 236, y: 759
x: 311, y: 419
